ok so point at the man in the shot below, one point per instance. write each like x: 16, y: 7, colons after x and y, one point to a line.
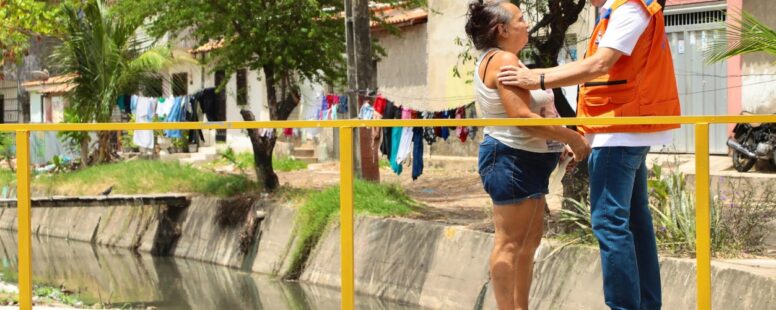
x: 627, y: 71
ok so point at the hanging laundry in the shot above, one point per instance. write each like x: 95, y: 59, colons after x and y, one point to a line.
x: 191, y: 115
x: 174, y: 115
x: 461, y: 131
x: 208, y: 102
x: 133, y: 104
x: 385, y: 147
x: 380, y: 104
x: 288, y: 132
x: 144, y: 138
x: 417, y: 152
x: 366, y: 112
x: 343, y: 105
x: 396, y: 133
x: 428, y: 132
x: 377, y: 133
x: 442, y: 132
x: 406, y: 138
x: 471, y: 113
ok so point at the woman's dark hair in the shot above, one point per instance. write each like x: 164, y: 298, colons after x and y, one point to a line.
x: 483, y: 20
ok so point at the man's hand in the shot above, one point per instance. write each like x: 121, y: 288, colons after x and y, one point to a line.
x: 519, y: 76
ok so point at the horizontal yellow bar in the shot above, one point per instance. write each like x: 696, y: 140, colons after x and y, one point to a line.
x: 396, y: 123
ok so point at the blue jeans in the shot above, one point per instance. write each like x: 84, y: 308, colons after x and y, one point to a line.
x: 623, y: 225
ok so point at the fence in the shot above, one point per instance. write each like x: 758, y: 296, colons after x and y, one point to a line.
x: 703, y: 217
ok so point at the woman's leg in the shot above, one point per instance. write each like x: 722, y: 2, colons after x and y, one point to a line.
x: 512, y: 234
x: 525, y: 257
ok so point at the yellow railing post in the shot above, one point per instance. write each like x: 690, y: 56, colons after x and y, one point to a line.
x: 23, y: 216
x: 346, y: 218
x: 702, y: 216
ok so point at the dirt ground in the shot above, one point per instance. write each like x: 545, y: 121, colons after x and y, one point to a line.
x: 450, y: 197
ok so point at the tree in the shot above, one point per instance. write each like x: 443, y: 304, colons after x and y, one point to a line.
x: 107, y: 59
x: 287, y: 40
x: 746, y: 34
x: 21, y: 20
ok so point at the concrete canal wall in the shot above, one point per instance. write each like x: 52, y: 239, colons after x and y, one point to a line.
x: 413, y: 262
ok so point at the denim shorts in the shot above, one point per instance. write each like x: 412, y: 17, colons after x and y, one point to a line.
x: 512, y: 175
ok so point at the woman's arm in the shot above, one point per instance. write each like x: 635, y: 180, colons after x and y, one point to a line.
x: 516, y: 102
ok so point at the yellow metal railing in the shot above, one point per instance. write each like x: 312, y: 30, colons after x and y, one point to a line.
x: 703, y: 230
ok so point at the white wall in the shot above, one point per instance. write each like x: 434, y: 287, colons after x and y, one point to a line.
x: 36, y: 108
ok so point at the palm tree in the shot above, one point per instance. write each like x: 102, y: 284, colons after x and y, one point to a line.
x: 108, y: 59
x: 745, y: 35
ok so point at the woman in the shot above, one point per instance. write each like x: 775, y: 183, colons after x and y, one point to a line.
x: 514, y: 162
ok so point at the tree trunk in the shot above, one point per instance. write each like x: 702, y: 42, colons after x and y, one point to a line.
x: 85, y: 152
x: 366, y: 79
x: 262, y: 154
x: 103, y: 147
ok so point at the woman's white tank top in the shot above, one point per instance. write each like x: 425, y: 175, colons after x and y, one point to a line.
x: 542, y: 103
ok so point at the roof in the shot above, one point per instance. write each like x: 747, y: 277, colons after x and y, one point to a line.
x: 207, y: 47
x: 52, y: 85
x: 395, y: 16
x: 401, y: 17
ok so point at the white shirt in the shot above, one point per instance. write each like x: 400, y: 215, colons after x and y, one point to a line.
x: 626, y: 24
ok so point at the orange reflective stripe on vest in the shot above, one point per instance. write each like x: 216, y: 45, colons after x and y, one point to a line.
x: 642, y: 84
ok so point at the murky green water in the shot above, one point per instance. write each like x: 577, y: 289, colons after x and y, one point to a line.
x: 122, y: 277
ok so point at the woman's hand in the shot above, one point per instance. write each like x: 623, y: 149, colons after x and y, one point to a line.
x: 519, y: 76
x: 579, y: 147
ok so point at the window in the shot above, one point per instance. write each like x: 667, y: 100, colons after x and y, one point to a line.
x: 695, y: 18
x: 152, y: 87
x: 180, y: 84
x: 242, y: 87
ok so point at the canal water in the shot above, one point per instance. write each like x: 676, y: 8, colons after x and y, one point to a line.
x: 123, y: 278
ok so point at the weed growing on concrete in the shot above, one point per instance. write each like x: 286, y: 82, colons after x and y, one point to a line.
x: 321, y: 208
x: 740, y: 215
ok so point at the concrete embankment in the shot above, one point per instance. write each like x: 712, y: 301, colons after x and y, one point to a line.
x: 413, y: 262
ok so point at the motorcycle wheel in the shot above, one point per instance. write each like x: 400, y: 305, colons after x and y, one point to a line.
x: 740, y: 161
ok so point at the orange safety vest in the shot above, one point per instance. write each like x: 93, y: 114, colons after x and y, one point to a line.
x: 642, y: 84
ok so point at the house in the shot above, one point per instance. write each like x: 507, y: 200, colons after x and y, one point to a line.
x: 47, y: 98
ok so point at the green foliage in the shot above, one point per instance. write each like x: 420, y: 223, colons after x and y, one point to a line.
x: 7, y: 177
x: 578, y: 218
x: 143, y: 177
x: 321, y: 208
x: 101, y: 49
x: 746, y: 34
x: 22, y: 20
x: 740, y: 215
x: 231, y: 157
x: 106, y: 58
x: 245, y: 160
x: 288, y: 164
x: 7, y: 145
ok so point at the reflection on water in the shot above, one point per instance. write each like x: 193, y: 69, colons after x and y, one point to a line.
x: 122, y: 277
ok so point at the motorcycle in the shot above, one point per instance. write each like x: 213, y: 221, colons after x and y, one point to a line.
x: 752, y: 142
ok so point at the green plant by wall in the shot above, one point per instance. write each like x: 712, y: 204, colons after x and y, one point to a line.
x: 740, y: 215
x: 321, y: 208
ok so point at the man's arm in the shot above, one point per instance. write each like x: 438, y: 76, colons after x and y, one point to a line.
x: 573, y: 73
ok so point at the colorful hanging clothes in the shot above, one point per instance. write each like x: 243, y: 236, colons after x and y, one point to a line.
x: 417, y: 152
x: 471, y: 113
x: 428, y: 132
x: 173, y: 116
x: 461, y: 131
x: 405, y: 145
x: 343, y: 105
x: 385, y: 146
